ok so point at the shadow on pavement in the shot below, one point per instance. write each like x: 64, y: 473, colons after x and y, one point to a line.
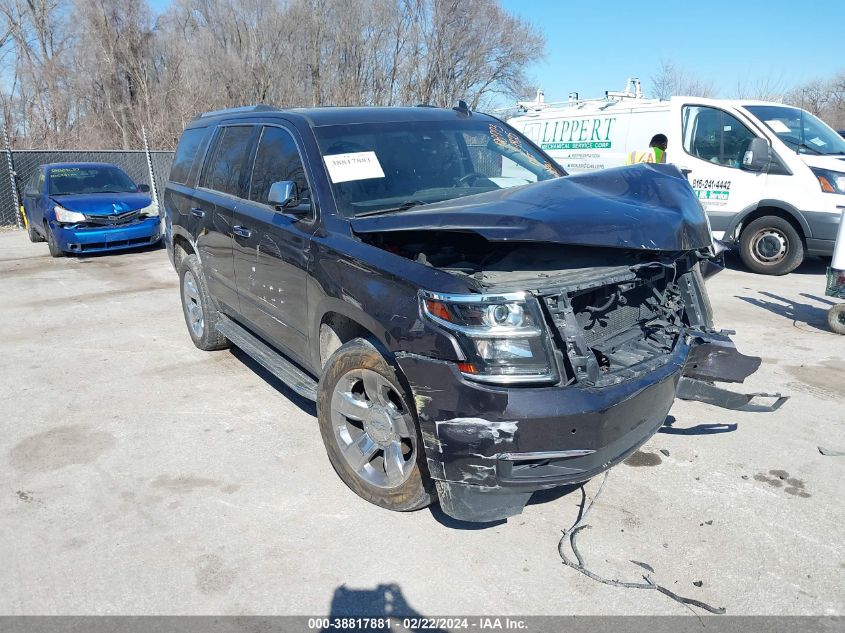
x: 304, y: 404
x: 791, y: 309
x: 455, y: 524
x: 382, y: 602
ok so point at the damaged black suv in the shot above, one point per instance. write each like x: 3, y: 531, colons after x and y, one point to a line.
x: 473, y: 325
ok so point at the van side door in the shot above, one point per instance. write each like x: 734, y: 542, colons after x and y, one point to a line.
x: 221, y: 185
x: 713, y: 143
x: 272, y: 246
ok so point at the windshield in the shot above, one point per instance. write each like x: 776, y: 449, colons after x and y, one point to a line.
x: 66, y: 181
x: 800, y: 130
x: 387, y: 167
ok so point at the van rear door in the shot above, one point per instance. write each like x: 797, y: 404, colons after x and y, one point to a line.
x: 713, y: 143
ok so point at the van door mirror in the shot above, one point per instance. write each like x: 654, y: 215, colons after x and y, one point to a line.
x: 283, y: 194
x: 758, y: 156
x: 144, y: 188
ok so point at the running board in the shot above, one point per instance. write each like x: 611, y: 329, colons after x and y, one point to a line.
x: 268, y: 358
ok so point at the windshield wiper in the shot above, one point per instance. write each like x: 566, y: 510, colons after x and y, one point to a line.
x: 402, y: 207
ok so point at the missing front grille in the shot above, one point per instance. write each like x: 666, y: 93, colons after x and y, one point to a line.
x: 608, y: 331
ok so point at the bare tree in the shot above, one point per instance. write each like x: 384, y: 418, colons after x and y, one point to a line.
x: 114, y: 79
x: 98, y: 78
x: 37, y: 31
x: 766, y: 88
x: 671, y: 80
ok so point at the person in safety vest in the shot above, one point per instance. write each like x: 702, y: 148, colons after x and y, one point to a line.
x: 656, y: 152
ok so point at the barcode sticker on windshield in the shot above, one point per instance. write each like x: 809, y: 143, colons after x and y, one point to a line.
x: 353, y: 166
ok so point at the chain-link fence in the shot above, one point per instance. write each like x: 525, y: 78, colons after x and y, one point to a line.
x: 22, y: 164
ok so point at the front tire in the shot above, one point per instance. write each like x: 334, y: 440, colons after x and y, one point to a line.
x: 771, y: 246
x: 369, y: 429
x: 53, y: 243
x: 201, y: 314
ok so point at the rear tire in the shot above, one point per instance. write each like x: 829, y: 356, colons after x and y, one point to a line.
x: 370, y: 431
x: 52, y: 243
x: 201, y: 313
x: 34, y: 236
x: 771, y: 246
x: 836, y: 318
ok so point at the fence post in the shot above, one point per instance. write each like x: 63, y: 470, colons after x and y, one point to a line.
x: 8, y: 146
x: 153, y: 186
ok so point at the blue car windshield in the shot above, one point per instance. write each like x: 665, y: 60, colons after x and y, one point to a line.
x: 66, y: 181
x: 393, y: 166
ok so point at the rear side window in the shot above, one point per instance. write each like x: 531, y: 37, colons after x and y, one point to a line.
x: 186, y: 154
x: 32, y: 185
x: 276, y: 159
x: 225, y: 166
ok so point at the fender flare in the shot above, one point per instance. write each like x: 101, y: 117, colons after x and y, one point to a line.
x: 785, y: 207
x: 353, y: 313
x: 176, y: 229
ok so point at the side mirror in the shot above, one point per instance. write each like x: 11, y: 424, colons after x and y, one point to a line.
x: 283, y: 194
x: 144, y: 188
x: 758, y: 156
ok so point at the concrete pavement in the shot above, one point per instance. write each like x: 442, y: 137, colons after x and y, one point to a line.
x: 143, y: 476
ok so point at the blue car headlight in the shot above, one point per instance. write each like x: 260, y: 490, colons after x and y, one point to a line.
x: 64, y: 216
x: 150, y: 211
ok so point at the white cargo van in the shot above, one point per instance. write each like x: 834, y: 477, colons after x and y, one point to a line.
x: 771, y: 177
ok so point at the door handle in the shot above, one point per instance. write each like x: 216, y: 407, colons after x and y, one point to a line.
x: 197, y: 212
x: 241, y: 231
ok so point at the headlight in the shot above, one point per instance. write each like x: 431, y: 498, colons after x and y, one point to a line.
x: 67, y: 217
x: 830, y: 181
x: 150, y: 211
x: 503, y: 337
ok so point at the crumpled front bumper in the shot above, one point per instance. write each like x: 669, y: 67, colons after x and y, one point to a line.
x: 489, y: 448
x: 74, y: 239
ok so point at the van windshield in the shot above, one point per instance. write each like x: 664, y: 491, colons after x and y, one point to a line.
x: 391, y: 167
x: 800, y: 130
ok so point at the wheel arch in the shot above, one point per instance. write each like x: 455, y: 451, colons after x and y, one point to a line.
x: 182, y: 247
x: 763, y: 208
x: 337, y: 327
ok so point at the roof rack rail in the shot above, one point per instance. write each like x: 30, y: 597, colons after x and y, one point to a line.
x: 240, y: 110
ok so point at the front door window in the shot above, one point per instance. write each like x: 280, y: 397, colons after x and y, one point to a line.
x: 715, y: 136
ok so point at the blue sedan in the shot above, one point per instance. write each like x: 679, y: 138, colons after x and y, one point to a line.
x: 88, y: 208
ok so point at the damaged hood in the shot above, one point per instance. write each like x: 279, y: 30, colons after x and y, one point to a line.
x: 103, y: 203
x: 650, y: 207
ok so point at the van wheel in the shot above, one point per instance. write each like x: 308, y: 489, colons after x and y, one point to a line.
x: 53, y: 243
x: 369, y: 428
x: 771, y: 246
x: 201, y: 315
x: 836, y: 318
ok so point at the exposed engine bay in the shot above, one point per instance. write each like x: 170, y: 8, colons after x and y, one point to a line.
x: 615, y: 312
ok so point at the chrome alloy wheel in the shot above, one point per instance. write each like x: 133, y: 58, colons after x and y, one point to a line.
x: 769, y: 246
x: 373, y: 428
x: 192, y: 304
